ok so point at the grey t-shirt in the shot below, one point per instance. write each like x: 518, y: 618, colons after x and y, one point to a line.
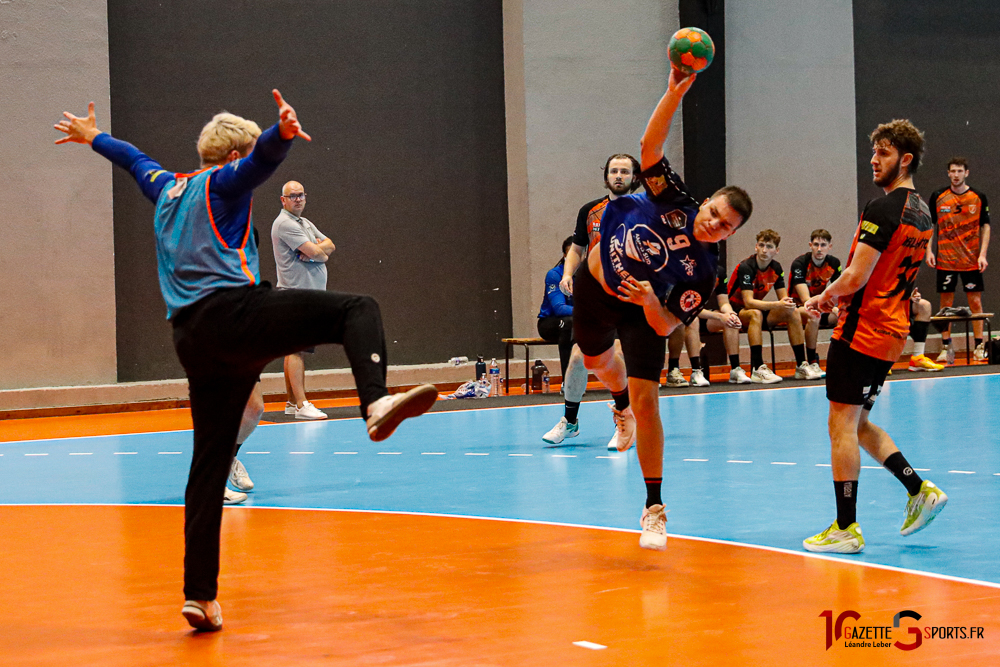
x: 295, y: 270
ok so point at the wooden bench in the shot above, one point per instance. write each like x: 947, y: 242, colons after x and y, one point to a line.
x: 975, y: 317
x: 527, y: 343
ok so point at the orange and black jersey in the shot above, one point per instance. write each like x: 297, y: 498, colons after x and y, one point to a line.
x: 816, y: 278
x: 748, y: 276
x: 958, y: 219
x: 588, y: 223
x: 875, y: 320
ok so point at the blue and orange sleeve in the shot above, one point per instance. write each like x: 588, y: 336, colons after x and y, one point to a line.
x: 147, y: 172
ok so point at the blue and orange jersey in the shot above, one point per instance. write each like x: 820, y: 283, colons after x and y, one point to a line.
x: 875, y: 320
x: 650, y: 236
x: 958, y: 218
x: 214, y: 205
x: 749, y: 276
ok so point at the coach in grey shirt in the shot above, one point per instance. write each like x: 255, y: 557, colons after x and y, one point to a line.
x: 300, y: 254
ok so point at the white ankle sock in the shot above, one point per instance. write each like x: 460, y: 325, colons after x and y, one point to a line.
x: 918, y: 349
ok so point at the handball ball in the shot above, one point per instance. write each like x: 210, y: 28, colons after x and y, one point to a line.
x: 691, y: 50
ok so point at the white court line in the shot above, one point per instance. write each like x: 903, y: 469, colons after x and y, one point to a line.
x: 308, y: 452
x: 962, y: 472
x: 390, y: 453
x: 125, y: 453
x: 477, y: 453
x: 256, y: 452
x: 591, y: 645
x: 872, y: 468
x: 520, y: 455
x: 81, y: 453
x: 702, y: 460
x: 345, y: 452
x: 923, y: 469
x: 564, y: 456
x: 607, y: 457
x: 734, y: 461
x: 44, y: 454
x: 168, y: 452
x: 782, y: 463
x: 432, y: 453
x: 823, y: 465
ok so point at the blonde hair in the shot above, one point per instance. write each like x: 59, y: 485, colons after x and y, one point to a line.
x: 224, y: 133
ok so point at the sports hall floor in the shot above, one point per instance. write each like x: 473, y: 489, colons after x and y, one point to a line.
x: 465, y: 540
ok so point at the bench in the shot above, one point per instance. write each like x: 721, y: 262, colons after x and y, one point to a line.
x: 527, y: 343
x: 975, y: 317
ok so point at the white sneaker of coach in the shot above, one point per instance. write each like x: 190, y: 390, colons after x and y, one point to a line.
x: 309, y: 411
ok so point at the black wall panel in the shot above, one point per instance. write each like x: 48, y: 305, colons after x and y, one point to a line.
x: 937, y: 64
x: 407, y: 171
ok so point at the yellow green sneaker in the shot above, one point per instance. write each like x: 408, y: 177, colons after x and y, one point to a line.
x: 923, y: 507
x: 835, y: 540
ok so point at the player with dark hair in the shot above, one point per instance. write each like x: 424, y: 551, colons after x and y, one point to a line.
x: 810, y: 274
x: 961, y: 217
x: 620, y: 178
x: 227, y: 324
x: 874, y: 292
x: 654, y: 267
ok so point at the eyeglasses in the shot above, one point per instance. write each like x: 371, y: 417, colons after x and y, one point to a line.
x: 297, y: 196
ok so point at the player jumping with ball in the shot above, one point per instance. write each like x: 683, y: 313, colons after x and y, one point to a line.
x: 655, y: 268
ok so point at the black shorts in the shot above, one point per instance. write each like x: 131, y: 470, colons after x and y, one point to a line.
x: 853, y: 378
x: 948, y: 281
x: 597, y: 316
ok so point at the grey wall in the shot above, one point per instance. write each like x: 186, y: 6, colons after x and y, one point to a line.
x: 948, y: 91
x: 790, y: 121
x: 57, y: 309
x: 581, y: 81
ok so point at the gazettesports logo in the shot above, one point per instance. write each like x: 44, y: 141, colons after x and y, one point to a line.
x: 911, y: 637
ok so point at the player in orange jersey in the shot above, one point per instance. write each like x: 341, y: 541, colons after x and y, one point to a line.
x: 961, y: 215
x: 874, y: 298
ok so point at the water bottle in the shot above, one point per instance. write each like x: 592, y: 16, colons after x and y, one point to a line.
x: 494, y: 375
x: 458, y: 361
x: 536, y: 375
x: 480, y: 368
x: 546, y: 387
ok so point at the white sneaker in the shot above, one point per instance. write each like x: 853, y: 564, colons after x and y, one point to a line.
x: 738, y: 376
x: 947, y: 356
x: 290, y: 408
x: 624, y: 436
x: 654, y: 528
x: 698, y: 378
x: 233, y: 497
x: 763, y: 375
x: 239, y: 478
x: 201, y: 616
x: 561, y: 431
x: 385, y: 414
x: 816, y: 369
x: 805, y: 371
x: 676, y: 379
x: 309, y: 411
x: 980, y: 353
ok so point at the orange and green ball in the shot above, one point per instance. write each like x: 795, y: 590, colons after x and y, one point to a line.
x: 691, y: 50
